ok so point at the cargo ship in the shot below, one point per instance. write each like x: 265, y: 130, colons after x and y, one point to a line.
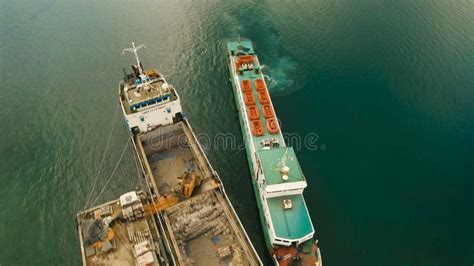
x: 185, y: 215
x: 277, y: 178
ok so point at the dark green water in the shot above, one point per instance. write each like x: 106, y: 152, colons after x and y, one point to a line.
x: 387, y: 85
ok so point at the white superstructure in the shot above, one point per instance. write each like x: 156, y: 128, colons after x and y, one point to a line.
x: 146, y: 98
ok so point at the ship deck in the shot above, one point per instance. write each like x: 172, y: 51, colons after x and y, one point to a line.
x: 170, y: 156
x: 308, y: 255
x: 270, y: 159
x: 293, y: 223
x: 289, y: 224
x: 202, y: 228
x: 259, y: 140
x: 124, y: 239
x: 134, y: 98
x: 246, y: 44
x: 267, y: 156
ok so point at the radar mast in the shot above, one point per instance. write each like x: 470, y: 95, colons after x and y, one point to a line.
x: 134, y: 50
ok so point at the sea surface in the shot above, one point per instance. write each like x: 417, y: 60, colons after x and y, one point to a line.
x: 387, y: 86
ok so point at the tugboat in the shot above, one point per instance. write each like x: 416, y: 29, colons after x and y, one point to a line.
x: 277, y: 178
x: 185, y: 202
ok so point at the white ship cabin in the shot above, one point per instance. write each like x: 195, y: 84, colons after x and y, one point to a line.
x: 282, y: 182
x: 146, y: 98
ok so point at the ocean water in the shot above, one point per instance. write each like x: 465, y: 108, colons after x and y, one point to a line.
x: 387, y: 86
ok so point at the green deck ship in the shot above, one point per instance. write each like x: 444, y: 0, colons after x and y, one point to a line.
x: 277, y: 178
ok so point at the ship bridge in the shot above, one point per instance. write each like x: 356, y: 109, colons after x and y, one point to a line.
x: 146, y: 98
x: 137, y: 94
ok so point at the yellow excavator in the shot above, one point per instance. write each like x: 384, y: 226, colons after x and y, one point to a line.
x: 188, y: 184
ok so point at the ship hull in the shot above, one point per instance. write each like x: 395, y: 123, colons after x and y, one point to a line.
x: 290, y: 251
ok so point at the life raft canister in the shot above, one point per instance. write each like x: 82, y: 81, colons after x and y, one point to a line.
x: 263, y: 97
x: 272, y: 126
x: 246, y: 85
x: 252, y: 111
x: 268, y: 111
x: 260, y: 85
x: 249, y: 99
x: 257, y: 128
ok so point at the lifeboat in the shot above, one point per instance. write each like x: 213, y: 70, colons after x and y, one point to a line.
x: 257, y: 128
x: 263, y: 97
x: 260, y: 85
x: 237, y: 67
x: 249, y: 99
x: 252, y: 111
x: 268, y: 111
x: 245, y: 59
x: 246, y: 85
x: 272, y: 126
x: 150, y: 73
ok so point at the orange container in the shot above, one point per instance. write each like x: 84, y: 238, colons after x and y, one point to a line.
x: 248, y: 98
x: 263, y: 97
x: 268, y: 111
x: 257, y: 128
x: 260, y: 85
x: 272, y: 126
x: 252, y: 111
x: 246, y: 85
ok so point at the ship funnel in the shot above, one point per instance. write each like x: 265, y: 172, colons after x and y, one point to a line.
x: 284, y: 172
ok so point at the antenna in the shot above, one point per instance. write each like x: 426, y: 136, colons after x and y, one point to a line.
x: 284, y: 170
x: 284, y: 158
x: 134, y: 50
